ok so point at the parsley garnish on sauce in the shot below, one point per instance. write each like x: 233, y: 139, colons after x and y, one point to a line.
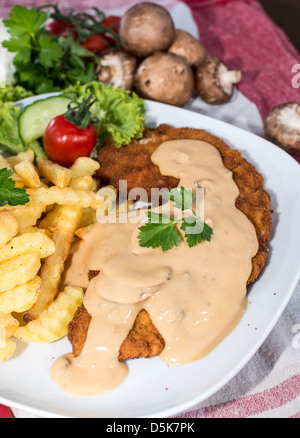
x: 9, y: 194
x: 162, y: 231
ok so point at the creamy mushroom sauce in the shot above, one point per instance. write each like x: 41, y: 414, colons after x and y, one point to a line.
x: 195, y: 296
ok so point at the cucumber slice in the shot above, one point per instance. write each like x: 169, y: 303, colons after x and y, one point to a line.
x: 35, y: 118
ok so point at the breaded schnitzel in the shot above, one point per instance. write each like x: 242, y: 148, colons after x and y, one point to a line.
x: 133, y: 163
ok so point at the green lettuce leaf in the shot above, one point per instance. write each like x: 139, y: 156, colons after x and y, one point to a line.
x: 12, y: 93
x: 10, y: 140
x: 120, y: 113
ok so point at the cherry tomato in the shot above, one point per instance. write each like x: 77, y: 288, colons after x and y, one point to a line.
x: 61, y: 28
x: 112, y: 21
x: 98, y: 43
x: 64, y: 142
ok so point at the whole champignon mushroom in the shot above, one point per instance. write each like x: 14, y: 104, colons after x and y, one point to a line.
x: 214, y: 81
x: 117, y: 68
x: 166, y: 78
x: 282, y: 127
x: 146, y: 28
x: 189, y: 48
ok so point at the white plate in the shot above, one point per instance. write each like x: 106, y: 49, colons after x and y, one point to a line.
x: 152, y: 388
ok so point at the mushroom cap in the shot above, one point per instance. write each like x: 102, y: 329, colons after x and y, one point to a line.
x: 117, y: 68
x: 146, y: 28
x: 165, y: 77
x: 214, y: 82
x: 282, y: 127
x: 188, y: 47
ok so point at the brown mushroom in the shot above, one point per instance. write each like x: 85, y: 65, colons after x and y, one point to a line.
x: 214, y: 81
x: 117, y: 68
x: 282, y: 127
x: 166, y: 78
x: 146, y: 28
x: 189, y: 48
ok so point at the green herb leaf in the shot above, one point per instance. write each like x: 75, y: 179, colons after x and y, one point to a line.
x: 18, y: 44
x: 25, y: 21
x: 183, y: 198
x: 50, y: 51
x: 9, y: 194
x: 45, y: 62
x: 161, y: 231
x: 195, y: 230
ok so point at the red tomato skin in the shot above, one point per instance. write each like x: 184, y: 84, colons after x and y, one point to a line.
x: 112, y: 21
x: 98, y: 43
x: 61, y: 28
x: 64, y: 142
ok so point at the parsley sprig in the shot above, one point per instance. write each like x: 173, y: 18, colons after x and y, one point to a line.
x: 161, y: 231
x: 45, y: 62
x: 9, y: 194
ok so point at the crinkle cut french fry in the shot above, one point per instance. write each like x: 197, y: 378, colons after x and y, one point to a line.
x: 88, y: 218
x: 52, y: 323
x: 21, y: 298
x: 84, y: 166
x: 53, y: 267
x: 28, y: 215
x: 9, y: 227
x: 19, y: 270
x: 109, y: 196
x: 8, y: 327
x: 66, y: 196
x: 22, y: 156
x: 58, y: 175
x: 82, y: 183
x: 50, y: 219
x: 82, y: 232
x: 27, y: 171
x: 67, y: 223
x: 37, y: 242
x: 8, y: 350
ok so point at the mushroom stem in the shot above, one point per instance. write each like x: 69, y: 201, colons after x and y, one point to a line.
x: 282, y: 127
x: 228, y: 78
x: 290, y: 117
x: 116, y: 68
x: 105, y: 74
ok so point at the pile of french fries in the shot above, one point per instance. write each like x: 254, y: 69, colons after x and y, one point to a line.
x: 35, y: 242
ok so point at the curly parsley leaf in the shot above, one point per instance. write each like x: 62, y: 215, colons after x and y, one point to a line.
x: 9, y: 194
x: 161, y: 230
x: 120, y: 113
